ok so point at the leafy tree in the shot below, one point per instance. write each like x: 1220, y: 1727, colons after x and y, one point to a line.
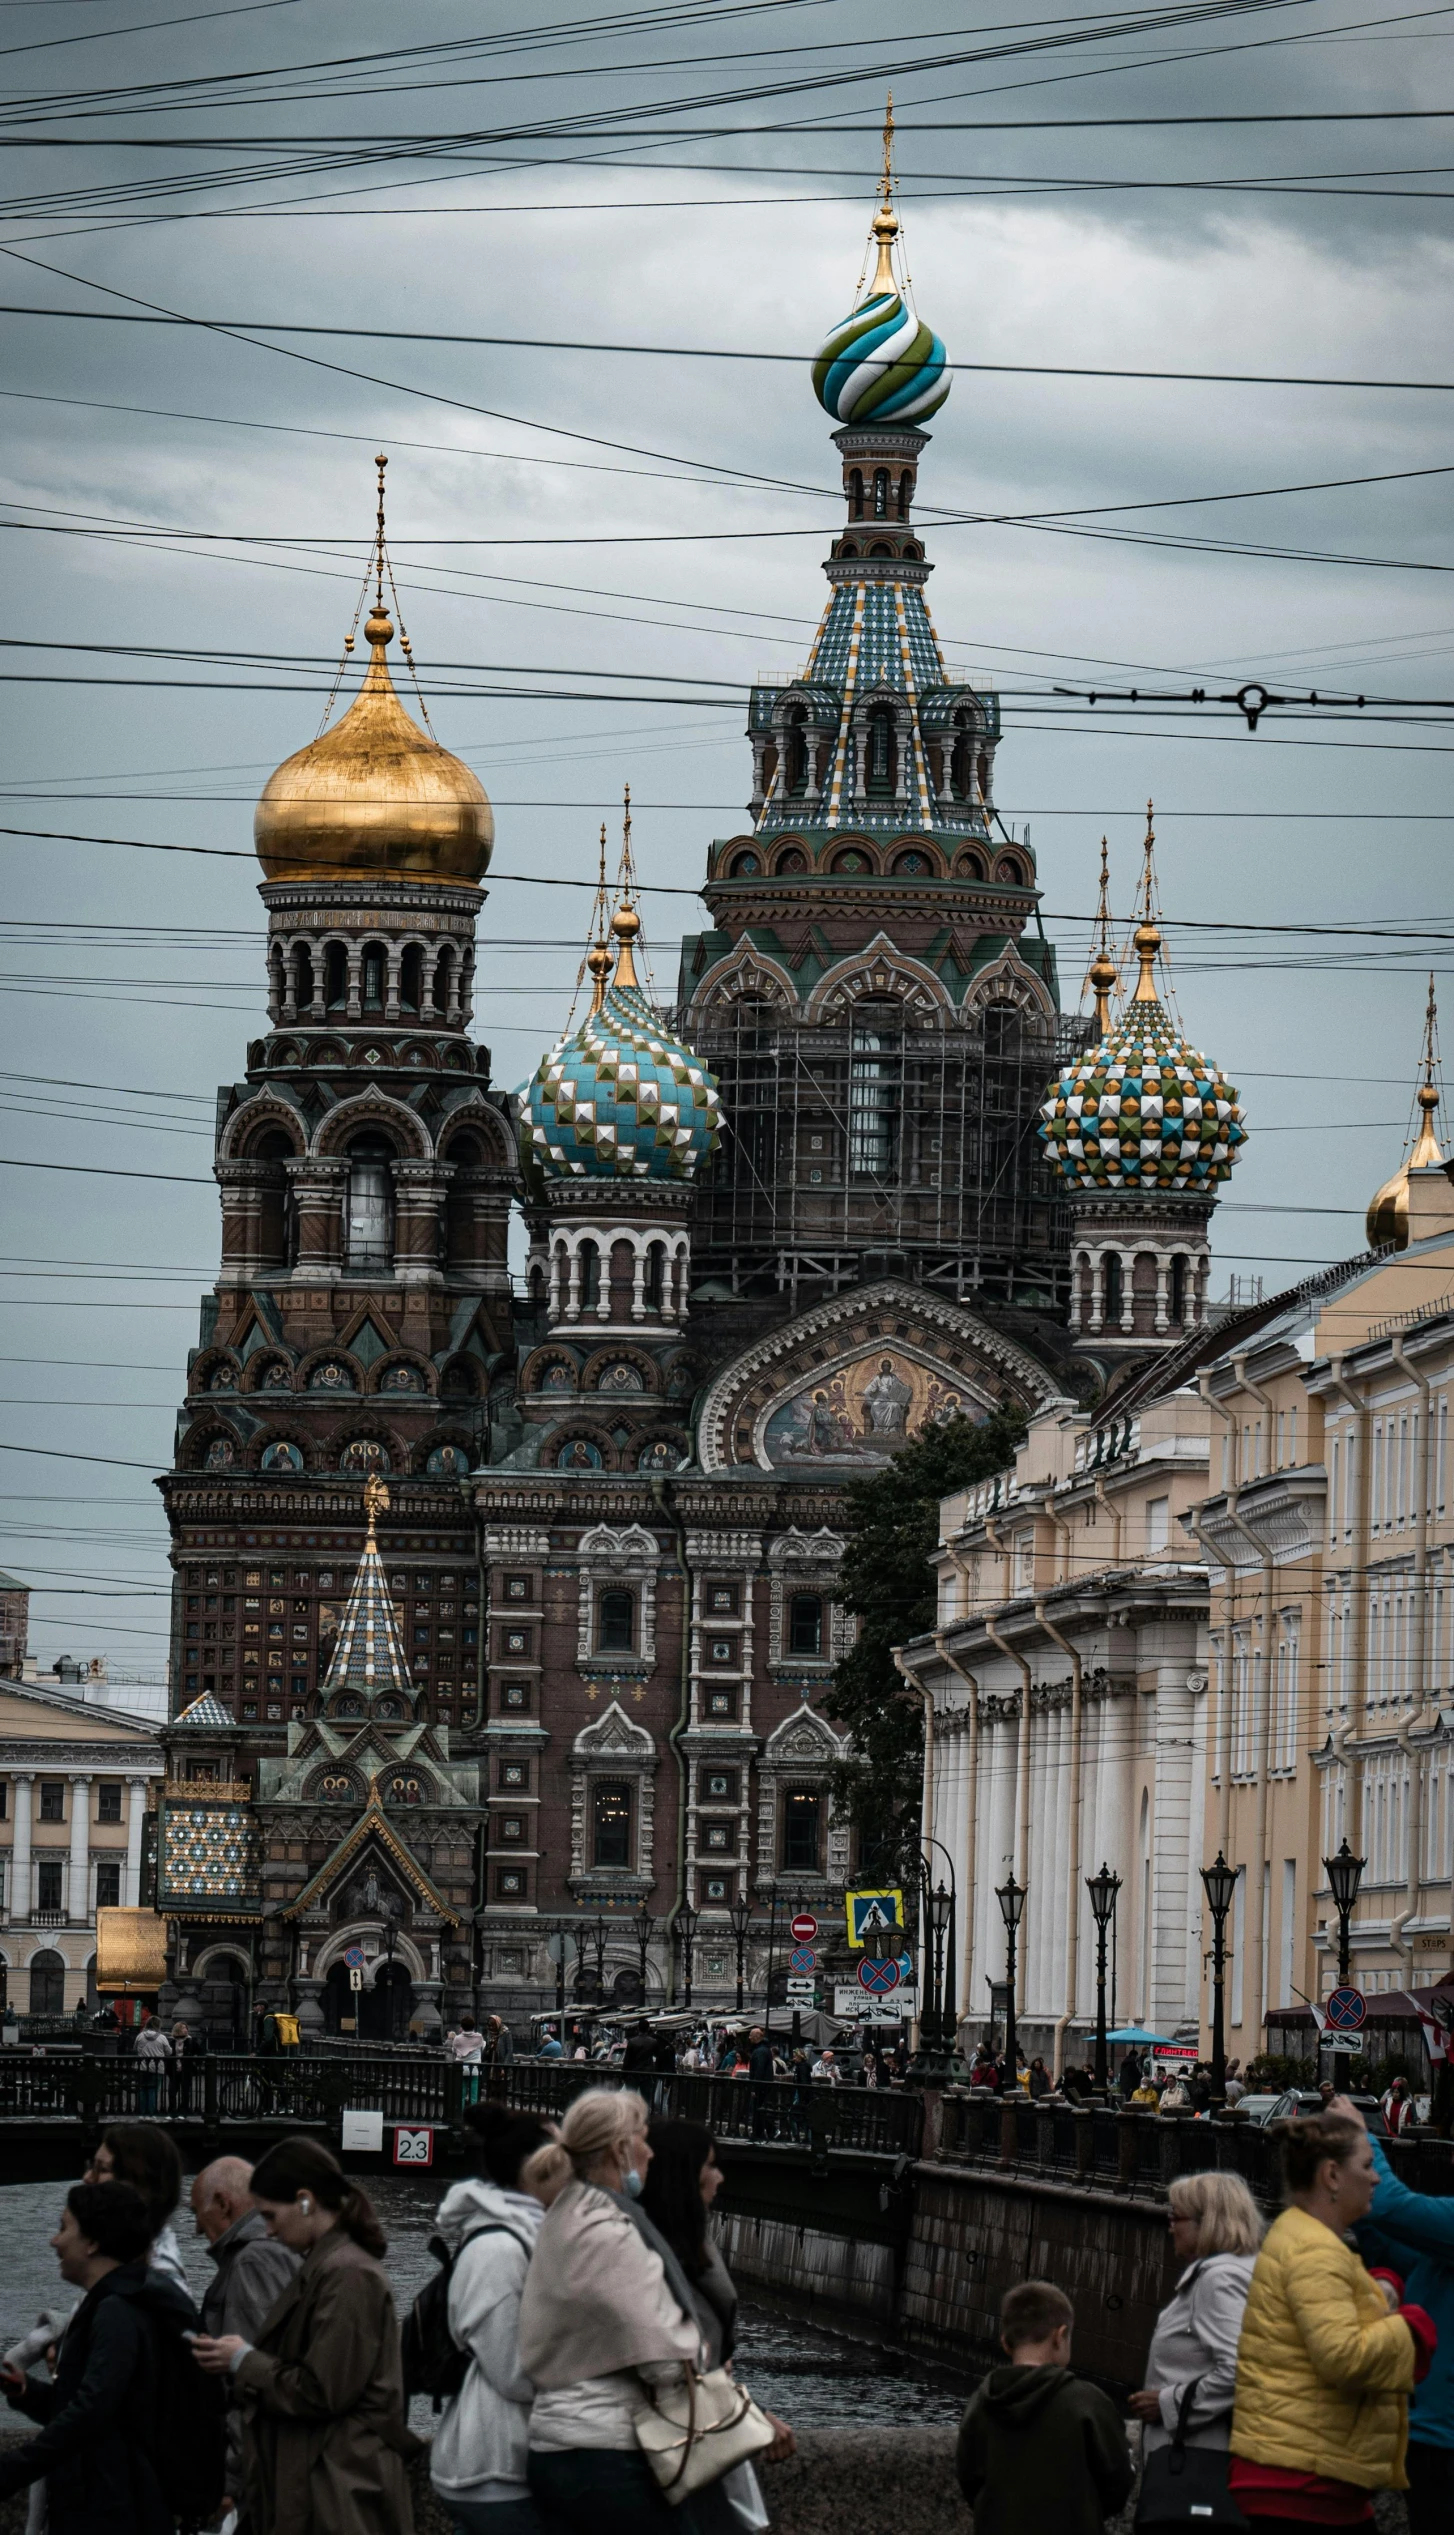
x: 893, y: 1530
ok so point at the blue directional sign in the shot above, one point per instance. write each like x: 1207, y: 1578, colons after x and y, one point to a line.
x: 1347, y: 2009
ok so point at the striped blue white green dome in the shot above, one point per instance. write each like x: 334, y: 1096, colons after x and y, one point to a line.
x: 882, y: 364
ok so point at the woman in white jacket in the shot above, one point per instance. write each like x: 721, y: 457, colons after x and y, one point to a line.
x: 1216, y: 2229
x: 478, y: 2460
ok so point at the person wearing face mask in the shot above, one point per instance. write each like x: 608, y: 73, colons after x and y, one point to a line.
x: 606, y: 2312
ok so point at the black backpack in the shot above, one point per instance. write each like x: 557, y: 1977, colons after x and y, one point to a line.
x: 188, y: 2450
x: 434, y: 2363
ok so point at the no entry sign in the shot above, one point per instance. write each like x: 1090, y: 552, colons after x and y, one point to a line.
x: 804, y: 1927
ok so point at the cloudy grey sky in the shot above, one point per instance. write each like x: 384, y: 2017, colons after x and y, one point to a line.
x: 1255, y: 189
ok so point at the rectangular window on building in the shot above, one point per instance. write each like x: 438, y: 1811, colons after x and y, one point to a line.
x: 1024, y: 1562
x: 108, y: 1884
x: 616, y: 1624
x: 802, y: 1830
x: 1158, y: 1525
x: 108, y: 1800
x: 611, y: 1825
x: 805, y: 1624
x: 4, y: 1798
x: 48, y: 1884
x: 1287, y: 1949
x: 52, y: 1800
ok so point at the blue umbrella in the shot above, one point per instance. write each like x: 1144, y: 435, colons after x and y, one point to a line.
x: 1137, y: 2034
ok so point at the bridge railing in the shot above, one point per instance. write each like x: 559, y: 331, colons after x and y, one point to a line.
x: 865, y: 2120
x: 1140, y: 2154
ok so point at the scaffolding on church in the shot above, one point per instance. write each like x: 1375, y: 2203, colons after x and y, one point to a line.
x: 877, y: 1146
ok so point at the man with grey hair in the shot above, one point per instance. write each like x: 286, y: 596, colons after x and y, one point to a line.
x: 253, y: 2270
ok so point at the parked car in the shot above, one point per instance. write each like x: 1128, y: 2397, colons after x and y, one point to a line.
x: 1300, y: 2101
x: 1262, y: 2109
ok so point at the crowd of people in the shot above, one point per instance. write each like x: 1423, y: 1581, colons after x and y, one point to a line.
x: 581, y: 2301
x: 580, y: 2289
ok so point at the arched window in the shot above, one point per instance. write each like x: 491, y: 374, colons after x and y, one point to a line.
x: 611, y: 1823
x: 795, y: 751
x: 374, y: 970
x: 655, y: 1276
x: 444, y: 981
x: 802, y: 1831
x: 1178, y: 1287
x: 335, y: 976
x: 880, y: 492
x: 616, y: 1623
x: 590, y: 1258
x: 961, y: 761
x: 47, y: 1983
x: 906, y: 490
x: 805, y: 1624
x: 369, y: 1221
x: 875, y: 1083
x: 855, y: 492
x: 880, y: 751
x: 1114, y: 1287
x: 303, y: 977
x: 411, y: 977
x: 276, y: 1228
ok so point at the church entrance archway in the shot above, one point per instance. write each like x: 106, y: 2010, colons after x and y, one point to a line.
x: 377, y: 2014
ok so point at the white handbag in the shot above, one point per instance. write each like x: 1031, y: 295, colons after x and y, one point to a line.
x: 693, y: 2432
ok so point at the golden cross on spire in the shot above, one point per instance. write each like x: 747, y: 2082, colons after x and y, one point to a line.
x: 380, y: 462
x: 1147, y: 937
x: 1426, y: 1153
x: 376, y: 1502
x: 886, y: 219
x: 598, y: 957
x: 1102, y: 976
x: 626, y: 923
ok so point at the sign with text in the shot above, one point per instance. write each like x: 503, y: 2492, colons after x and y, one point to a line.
x: 414, y: 2147
x: 853, y: 2003
x: 873, y: 1914
x: 363, y: 2132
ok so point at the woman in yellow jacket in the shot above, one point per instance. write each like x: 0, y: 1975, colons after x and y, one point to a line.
x: 1326, y: 2358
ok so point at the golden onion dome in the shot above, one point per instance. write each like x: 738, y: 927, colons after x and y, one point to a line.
x: 375, y: 796
x: 1388, y: 1215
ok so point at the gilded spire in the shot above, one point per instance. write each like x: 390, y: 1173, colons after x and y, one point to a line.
x: 1147, y: 936
x: 1426, y: 1153
x: 379, y: 631
x: 626, y: 923
x: 598, y: 957
x: 1103, y: 976
x: 376, y: 1502
x: 886, y: 219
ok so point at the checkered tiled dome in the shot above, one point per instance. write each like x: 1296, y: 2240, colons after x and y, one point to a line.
x: 620, y: 1099
x: 1142, y: 1111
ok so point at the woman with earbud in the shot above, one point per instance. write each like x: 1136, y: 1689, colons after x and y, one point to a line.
x: 606, y: 2313
x: 322, y: 2388
x: 1328, y: 2353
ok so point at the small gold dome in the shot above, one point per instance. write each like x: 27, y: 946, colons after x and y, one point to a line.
x: 375, y: 797
x: 1388, y: 1215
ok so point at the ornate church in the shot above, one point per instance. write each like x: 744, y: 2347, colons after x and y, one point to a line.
x: 506, y: 1609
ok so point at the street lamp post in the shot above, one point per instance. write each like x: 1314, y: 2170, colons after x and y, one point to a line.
x: 1345, y: 1874
x: 1103, y: 1889
x: 1220, y: 1881
x: 645, y: 1930
x: 687, y: 1919
x: 1011, y: 1898
x: 741, y: 1918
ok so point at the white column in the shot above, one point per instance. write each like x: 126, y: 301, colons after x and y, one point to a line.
x: 638, y: 1283
x: 20, y: 1854
x: 78, y: 1893
x: 135, y: 1816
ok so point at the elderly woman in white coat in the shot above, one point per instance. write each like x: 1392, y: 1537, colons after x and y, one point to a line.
x: 1215, y: 2232
x: 606, y: 2314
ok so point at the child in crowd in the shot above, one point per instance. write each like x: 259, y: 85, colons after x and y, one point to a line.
x: 1038, y: 2448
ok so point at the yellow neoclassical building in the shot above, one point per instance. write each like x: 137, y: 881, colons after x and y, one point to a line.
x: 76, y: 1782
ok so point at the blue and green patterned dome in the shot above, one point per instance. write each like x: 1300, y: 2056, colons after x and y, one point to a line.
x: 621, y: 1098
x: 882, y: 365
x: 1142, y: 1111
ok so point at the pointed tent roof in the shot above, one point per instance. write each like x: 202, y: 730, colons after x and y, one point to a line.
x: 371, y: 1823
x: 208, y: 1712
x: 369, y: 1656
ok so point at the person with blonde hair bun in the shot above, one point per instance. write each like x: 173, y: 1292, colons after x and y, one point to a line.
x: 606, y: 2313
x: 1215, y: 2233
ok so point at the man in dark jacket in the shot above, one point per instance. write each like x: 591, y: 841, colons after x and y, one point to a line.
x: 639, y: 2057
x: 100, y: 2415
x: 253, y: 2269
x: 1039, y: 2449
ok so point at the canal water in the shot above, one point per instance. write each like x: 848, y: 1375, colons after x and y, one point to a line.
x: 810, y: 2377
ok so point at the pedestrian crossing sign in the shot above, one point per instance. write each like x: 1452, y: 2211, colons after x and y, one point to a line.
x: 873, y: 1914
